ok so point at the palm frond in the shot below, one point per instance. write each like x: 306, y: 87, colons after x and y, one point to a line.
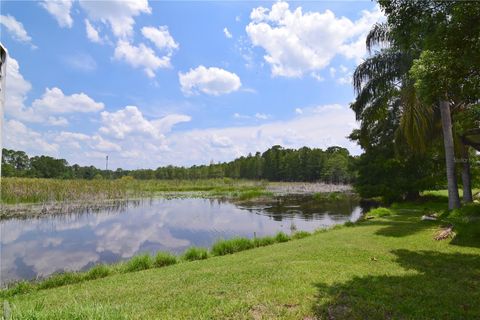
x: 386, y: 63
x: 379, y: 35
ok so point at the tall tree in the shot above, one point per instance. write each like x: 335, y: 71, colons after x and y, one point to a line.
x: 421, y: 44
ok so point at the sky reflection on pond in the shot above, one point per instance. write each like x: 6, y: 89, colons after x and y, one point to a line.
x: 38, y: 247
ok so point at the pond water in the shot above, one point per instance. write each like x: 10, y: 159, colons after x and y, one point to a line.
x: 37, y: 247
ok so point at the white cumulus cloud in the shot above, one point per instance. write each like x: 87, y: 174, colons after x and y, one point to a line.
x: 130, y: 121
x: 15, y: 28
x: 313, y: 127
x: 297, y: 42
x: 212, y: 81
x: 160, y: 37
x: 92, y: 33
x: 141, y: 56
x: 227, y: 33
x: 54, y: 101
x: 43, y: 109
x: 60, y: 10
x: 20, y: 137
x: 119, y: 14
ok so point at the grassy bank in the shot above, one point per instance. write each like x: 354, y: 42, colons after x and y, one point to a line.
x: 31, y: 190
x: 385, y: 267
x: 145, y: 261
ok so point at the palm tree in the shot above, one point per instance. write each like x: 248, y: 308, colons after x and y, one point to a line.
x: 382, y: 82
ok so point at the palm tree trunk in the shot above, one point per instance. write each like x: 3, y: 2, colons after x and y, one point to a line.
x: 453, y: 197
x: 466, y: 177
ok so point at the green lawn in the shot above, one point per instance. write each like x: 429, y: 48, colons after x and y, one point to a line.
x: 384, y: 268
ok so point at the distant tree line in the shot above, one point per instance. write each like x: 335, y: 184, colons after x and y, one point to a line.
x: 333, y: 165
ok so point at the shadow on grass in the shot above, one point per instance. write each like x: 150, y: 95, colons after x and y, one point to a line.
x: 405, y: 225
x: 442, y: 286
x: 467, y: 235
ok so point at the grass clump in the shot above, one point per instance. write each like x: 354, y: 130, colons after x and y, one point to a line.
x: 282, y: 237
x: 140, y: 262
x: 223, y: 247
x: 380, y: 212
x: 300, y: 234
x: 262, y: 242
x: 97, y: 272
x: 163, y: 259
x: 195, y: 253
x: 21, y: 287
x: 61, y: 279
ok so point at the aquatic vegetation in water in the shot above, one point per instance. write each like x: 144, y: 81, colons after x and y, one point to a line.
x: 35, y: 190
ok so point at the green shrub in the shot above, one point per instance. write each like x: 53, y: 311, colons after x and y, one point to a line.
x: 61, y: 279
x: 140, y: 262
x: 195, y: 253
x: 163, y: 259
x: 281, y: 237
x: 300, y: 234
x: 349, y: 224
x: 265, y: 241
x: 223, y: 247
x: 97, y: 272
x: 380, y: 212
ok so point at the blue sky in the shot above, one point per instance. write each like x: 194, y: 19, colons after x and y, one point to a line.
x: 157, y: 83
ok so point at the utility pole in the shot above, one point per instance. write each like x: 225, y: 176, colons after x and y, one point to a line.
x: 106, y: 164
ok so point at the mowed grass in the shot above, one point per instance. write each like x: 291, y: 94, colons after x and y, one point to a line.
x: 32, y: 190
x: 383, y: 268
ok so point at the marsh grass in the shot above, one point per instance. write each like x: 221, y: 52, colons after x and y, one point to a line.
x: 253, y: 194
x: 332, y: 196
x: 34, y: 190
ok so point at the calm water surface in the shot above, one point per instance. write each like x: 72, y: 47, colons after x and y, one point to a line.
x: 38, y: 247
